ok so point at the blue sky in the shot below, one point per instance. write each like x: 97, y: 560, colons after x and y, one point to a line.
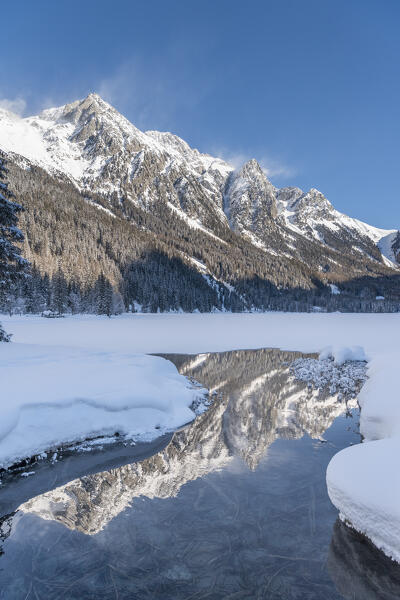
x: 311, y: 88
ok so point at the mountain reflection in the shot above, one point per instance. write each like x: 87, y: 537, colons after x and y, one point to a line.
x: 255, y: 400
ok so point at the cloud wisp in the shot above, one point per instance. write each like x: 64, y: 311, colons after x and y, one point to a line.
x: 25, y: 106
x: 271, y: 166
x: 16, y: 106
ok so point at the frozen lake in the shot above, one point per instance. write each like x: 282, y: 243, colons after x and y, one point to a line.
x: 233, y: 506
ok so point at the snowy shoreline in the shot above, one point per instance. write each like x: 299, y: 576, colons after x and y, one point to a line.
x: 55, y: 396
x: 363, y: 481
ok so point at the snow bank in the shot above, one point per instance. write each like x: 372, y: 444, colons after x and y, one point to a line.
x: 363, y: 481
x: 51, y: 396
x: 342, y: 354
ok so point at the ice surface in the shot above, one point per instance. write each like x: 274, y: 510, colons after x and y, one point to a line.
x: 363, y: 481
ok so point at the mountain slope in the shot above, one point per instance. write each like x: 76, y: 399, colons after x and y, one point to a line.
x: 238, y: 232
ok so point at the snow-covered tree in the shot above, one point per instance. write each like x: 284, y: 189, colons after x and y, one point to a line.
x: 12, y: 265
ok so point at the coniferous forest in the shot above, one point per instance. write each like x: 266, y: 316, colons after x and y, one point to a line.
x: 85, y: 259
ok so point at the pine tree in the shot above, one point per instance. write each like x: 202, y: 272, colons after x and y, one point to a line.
x: 59, y: 287
x: 12, y: 265
x: 104, y: 296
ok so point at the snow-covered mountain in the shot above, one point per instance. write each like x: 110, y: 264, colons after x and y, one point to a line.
x: 119, y: 169
x: 313, y: 215
x: 100, y: 150
x: 79, y: 139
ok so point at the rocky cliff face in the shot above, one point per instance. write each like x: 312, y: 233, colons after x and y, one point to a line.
x: 250, y: 199
x: 396, y: 247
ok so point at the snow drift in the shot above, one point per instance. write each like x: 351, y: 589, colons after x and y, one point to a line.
x: 363, y: 481
x: 52, y: 396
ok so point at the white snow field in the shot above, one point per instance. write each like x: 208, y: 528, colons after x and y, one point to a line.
x: 82, y: 373
x: 56, y: 395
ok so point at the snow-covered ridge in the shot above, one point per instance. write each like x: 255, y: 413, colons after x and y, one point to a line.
x: 177, y: 148
x: 304, y: 213
x: 57, y: 141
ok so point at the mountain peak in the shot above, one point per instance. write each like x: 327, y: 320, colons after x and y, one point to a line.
x: 250, y: 168
x: 317, y: 199
x: 91, y: 105
x: 94, y: 96
x: 249, y: 200
x: 252, y: 163
x: 97, y: 103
